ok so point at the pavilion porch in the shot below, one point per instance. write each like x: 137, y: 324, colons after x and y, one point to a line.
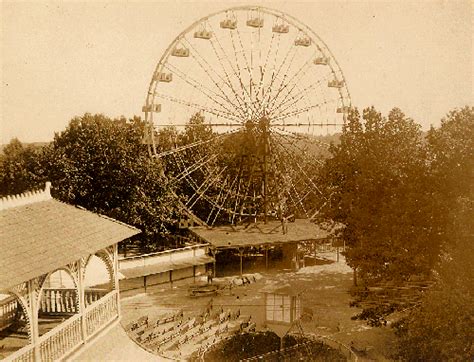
x: 51, y: 323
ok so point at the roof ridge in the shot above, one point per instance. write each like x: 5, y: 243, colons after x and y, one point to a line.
x: 25, y: 198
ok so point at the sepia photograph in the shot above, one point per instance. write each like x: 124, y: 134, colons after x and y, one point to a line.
x: 237, y: 181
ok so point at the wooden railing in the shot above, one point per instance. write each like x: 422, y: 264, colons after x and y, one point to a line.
x: 64, y: 338
x: 93, y: 295
x: 61, y: 340
x: 58, y: 301
x: 8, y: 311
x: 61, y: 301
x: 101, y: 313
x: 25, y: 354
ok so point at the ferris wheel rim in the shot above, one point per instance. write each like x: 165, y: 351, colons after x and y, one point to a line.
x: 279, y: 14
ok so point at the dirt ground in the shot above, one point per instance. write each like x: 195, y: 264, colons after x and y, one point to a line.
x: 325, y: 293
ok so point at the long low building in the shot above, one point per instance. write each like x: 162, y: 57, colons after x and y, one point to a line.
x: 264, y: 235
x: 260, y: 234
x: 168, y: 266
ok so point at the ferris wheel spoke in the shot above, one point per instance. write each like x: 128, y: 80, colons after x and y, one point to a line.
x: 301, y: 169
x: 237, y: 202
x: 224, y: 202
x: 195, y: 55
x: 249, y: 69
x: 276, y: 75
x: 292, y: 141
x: 197, y: 143
x: 294, y: 80
x: 289, y: 185
x: 296, y: 97
x: 200, y: 107
x: 282, y: 85
x: 228, y: 82
x: 199, y: 86
x: 194, y: 167
x: 262, y: 76
x: 296, y: 112
x: 237, y: 75
x: 221, y: 190
x: 298, y: 199
x: 195, y: 187
x: 208, y: 182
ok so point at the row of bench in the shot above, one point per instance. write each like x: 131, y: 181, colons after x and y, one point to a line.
x: 174, y: 334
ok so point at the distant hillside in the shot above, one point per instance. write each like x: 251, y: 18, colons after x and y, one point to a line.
x: 27, y: 144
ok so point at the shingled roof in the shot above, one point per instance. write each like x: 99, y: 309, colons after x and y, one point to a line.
x: 39, y: 234
x: 223, y: 237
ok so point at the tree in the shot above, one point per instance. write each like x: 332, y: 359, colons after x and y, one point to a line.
x: 377, y: 179
x: 379, y: 187
x: 20, y: 168
x: 102, y: 165
x: 441, y: 327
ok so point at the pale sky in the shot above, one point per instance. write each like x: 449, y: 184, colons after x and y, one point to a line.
x: 60, y: 60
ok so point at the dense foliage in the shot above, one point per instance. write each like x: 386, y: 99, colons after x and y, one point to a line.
x: 406, y: 205
x: 20, y: 168
x: 441, y: 328
x: 295, y: 348
x: 99, y: 164
x: 380, y: 191
x: 243, y: 346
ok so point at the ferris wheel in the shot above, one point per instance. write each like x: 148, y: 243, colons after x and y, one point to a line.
x: 236, y: 109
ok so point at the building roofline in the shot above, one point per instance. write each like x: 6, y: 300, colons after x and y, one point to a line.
x: 25, y: 198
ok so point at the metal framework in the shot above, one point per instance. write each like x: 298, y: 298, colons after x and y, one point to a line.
x: 263, y: 90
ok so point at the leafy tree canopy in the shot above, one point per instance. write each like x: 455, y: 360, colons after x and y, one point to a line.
x: 379, y: 190
x: 20, y: 168
x: 102, y: 165
x: 441, y: 327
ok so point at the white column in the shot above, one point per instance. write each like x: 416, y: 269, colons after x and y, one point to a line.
x: 81, y: 296
x: 116, y: 279
x: 33, y: 311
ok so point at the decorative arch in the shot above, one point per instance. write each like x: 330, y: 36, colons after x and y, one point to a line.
x: 28, y: 294
x: 73, y: 271
x: 107, y: 256
x: 23, y: 303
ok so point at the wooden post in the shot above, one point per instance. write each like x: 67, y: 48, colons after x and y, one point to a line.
x: 116, y: 278
x: 144, y: 282
x: 266, y: 256
x: 213, y: 253
x: 33, y: 311
x: 337, y: 251
x: 81, y: 296
x: 297, y: 257
x: 241, y: 254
